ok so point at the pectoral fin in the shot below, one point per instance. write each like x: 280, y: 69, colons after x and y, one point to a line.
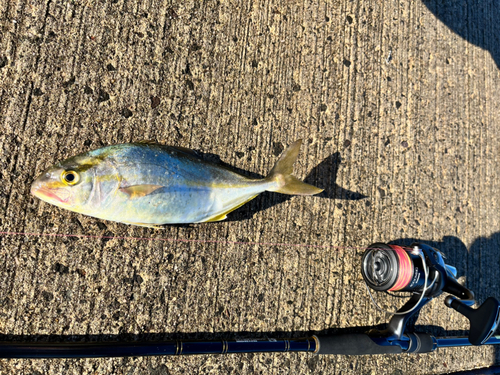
x: 223, y: 215
x: 137, y: 191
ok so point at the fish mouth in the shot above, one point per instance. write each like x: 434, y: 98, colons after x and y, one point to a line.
x: 49, y: 195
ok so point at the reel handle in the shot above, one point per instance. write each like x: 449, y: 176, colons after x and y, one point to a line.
x: 483, y: 321
x: 452, y: 286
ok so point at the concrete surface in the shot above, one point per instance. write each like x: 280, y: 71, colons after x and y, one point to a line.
x: 397, y: 103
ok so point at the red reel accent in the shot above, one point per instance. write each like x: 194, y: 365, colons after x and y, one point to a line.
x: 405, y: 272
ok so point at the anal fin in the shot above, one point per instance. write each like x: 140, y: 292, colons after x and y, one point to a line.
x: 147, y: 225
x: 223, y: 215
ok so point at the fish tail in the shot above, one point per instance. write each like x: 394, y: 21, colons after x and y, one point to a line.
x: 282, y: 174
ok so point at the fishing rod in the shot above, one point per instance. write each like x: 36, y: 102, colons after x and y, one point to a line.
x: 419, y: 269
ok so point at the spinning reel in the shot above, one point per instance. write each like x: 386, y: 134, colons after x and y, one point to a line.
x: 420, y: 269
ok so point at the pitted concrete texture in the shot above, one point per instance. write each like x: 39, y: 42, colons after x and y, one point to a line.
x: 398, y: 106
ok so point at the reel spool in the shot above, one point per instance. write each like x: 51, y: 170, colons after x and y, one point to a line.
x: 393, y: 268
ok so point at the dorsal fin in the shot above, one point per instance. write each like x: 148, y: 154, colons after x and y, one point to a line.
x: 147, y: 142
x: 181, y: 149
x: 185, y: 150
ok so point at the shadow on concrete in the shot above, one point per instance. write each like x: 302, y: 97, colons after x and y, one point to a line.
x: 480, y: 264
x: 324, y: 176
x: 475, y: 21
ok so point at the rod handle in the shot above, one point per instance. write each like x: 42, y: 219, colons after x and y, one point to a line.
x: 353, y: 344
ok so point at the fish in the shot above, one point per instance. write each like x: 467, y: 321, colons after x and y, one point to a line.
x: 150, y: 184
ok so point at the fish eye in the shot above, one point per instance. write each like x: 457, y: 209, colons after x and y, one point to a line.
x: 70, y: 177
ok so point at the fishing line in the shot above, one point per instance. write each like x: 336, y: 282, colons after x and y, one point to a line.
x: 163, y: 239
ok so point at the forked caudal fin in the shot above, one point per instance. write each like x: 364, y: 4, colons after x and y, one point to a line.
x: 282, y: 173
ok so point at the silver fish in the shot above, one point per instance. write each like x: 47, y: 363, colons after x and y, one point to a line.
x: 150, y: 184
